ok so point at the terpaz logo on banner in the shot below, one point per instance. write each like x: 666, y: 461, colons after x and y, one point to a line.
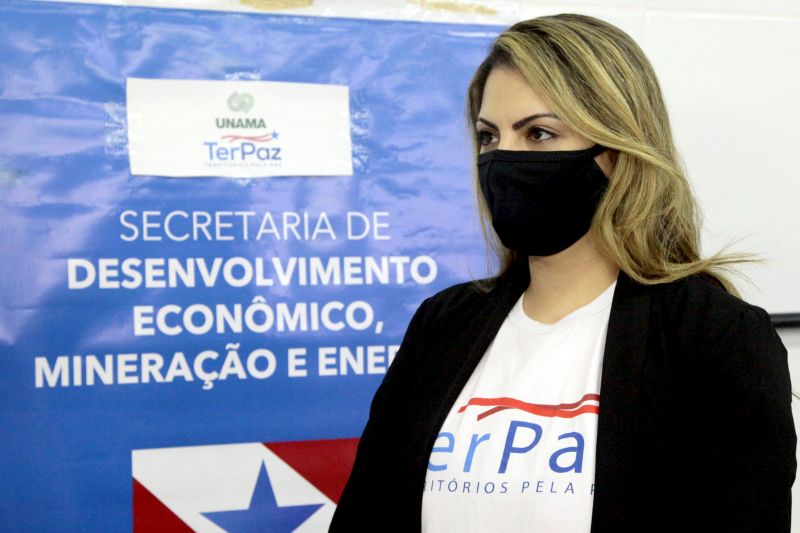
x: 240, y: 129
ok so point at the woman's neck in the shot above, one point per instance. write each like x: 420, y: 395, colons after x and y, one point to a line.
x: 566, y: 281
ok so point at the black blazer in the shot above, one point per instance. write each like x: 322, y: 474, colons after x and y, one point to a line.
x: 695, y: 430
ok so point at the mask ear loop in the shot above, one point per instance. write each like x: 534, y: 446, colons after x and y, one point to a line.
x: 593, y: 152
x: 596, y: 150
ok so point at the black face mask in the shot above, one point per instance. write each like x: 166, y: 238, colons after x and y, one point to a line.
x: 541, y: 202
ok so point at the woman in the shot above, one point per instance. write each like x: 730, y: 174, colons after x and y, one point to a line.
x: 608, y: 378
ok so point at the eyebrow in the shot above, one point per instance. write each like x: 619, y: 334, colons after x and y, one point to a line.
x: 520, y: 123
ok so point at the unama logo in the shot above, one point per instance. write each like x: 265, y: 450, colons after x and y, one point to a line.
x: 246, y: 141
x: 276, y: 486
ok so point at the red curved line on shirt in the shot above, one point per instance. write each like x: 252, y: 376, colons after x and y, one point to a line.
x: 492, y: 411
x: 563, y: 410
x: 513, y: 402
x: 553, y: 413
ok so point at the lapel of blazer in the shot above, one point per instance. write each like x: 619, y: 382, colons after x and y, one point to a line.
x: 486, y: 325
x: 460, y: 359
x: 618, y: 422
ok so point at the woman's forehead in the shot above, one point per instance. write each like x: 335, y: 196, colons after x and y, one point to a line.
x: 507, y: 97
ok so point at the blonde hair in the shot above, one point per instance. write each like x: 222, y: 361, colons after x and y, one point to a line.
x: 599, y: 82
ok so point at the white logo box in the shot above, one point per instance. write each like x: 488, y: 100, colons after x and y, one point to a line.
x: 239, y: 129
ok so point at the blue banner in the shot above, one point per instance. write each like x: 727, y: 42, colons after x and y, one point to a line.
x: 147, y: 320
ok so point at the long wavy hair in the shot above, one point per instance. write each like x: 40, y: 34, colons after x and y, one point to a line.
x: 600, y: 83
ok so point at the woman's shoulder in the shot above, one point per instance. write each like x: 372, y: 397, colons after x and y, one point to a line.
x: 461, y: 305
x: 468, y: 295
x: 700, y: 312
x: 458, y: 299
x: 698, y: 296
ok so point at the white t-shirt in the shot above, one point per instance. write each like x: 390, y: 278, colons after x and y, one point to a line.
x: 517, y: 451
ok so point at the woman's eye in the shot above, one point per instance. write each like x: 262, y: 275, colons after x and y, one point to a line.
x: 485, y: 138
x: 539, y: 134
